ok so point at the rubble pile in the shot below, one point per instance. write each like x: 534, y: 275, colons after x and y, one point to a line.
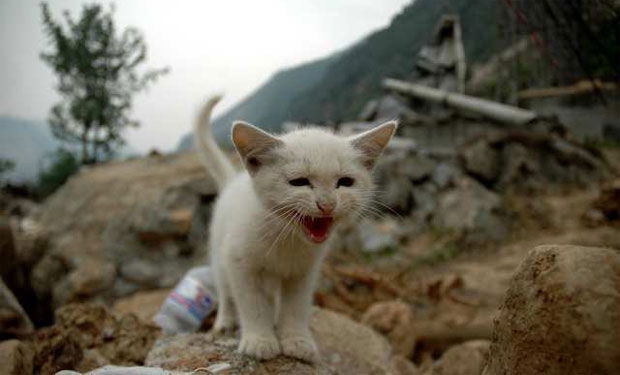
x: 558, y: 296
x: 87, y: 336
x: 122, y: 227
x: 528, y: 161
x: 463, y: 191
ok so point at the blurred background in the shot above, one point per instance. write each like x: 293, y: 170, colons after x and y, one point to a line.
x: 509, y: 139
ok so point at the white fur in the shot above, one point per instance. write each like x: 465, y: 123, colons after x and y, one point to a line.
x: 265, y: 265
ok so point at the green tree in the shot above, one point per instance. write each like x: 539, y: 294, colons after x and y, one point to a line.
x: 6, y: 165
x: 62, y: 165
x: 98, y: 74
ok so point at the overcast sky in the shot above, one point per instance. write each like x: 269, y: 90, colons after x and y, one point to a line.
x: 211, y: 46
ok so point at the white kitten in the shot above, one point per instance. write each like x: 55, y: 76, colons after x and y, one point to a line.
x: 271, y: 226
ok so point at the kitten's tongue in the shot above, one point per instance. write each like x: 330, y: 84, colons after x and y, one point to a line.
x: 317, y: 227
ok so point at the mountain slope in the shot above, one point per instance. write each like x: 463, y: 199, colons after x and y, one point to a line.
x: 269, y: 105
x: 337, y: 87
x: 356, y: 76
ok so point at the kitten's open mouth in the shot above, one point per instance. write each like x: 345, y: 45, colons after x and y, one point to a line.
x: 317, y: 228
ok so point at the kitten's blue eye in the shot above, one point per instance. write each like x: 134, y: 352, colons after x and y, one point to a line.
x: 345, y: 181
x: 302, y: 181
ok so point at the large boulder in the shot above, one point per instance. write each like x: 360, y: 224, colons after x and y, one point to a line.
x: 561, y: 314
x: 394, y: 319
x: 467, y: 358
x: 346, y: 347
x: 472, y: 210
x: 122, y: 227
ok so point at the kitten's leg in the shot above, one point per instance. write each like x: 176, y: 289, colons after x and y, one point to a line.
x: 293, y: 326
x: 257, y: 313
x: 226, y: 319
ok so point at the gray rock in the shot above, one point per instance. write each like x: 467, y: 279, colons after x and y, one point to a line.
x: 467, y: 358
x: 375, y: 236
x: 123, y: 287
x: 416, y: 169
x: 394, y: 319
x: 92, y: 277
x: 481, y: 160
x: 473, y: 210
x: 396, y: 194
x: 424, y: 201
x: 396, y: 173
x: 346, y: 347
x: 445, y: 174
x: 560, y: 315
x: 46, y: 273
x: 390, y: 108
x: 521, y: 167
x: 141, y: 272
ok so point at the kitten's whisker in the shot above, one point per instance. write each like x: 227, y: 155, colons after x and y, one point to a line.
x: 368, y: 209
x: 386, y: 207
x: 280, y: 213
x: 279, y: 235
x: 379, y: 211
x: 279, y: 209
x: 267, y: 231
x: 296, y: 217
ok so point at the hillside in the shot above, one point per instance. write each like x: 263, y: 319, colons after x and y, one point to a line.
x: 355, y: 77
x: 269, y: 104
x: 336, y: 88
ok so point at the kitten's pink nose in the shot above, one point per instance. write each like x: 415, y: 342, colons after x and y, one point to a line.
x: 326, y: 208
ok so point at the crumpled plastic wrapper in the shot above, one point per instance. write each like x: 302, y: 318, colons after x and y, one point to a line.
x: 139, y: 370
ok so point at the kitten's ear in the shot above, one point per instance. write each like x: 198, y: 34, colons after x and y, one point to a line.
x: 253, y: 144
x: 372, y: 142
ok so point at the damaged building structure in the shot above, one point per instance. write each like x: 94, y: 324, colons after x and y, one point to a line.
x: 441, y: 109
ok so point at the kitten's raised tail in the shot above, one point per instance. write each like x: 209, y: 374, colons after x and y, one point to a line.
x: 213, y: 158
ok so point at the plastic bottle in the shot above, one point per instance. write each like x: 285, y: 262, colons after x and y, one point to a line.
x: 192, y: 300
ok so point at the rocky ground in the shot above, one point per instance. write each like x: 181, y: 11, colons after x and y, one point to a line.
x: 414, y: 290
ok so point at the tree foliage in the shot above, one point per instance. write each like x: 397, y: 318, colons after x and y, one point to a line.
x: 583, y: 37
x: 63, y: 164
x: 6, y: 165
x: 97, y: 71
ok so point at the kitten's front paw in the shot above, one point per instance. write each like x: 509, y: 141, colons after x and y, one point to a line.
x: 260, y: 347
x: 300, y: 347
x: 224, y: 327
